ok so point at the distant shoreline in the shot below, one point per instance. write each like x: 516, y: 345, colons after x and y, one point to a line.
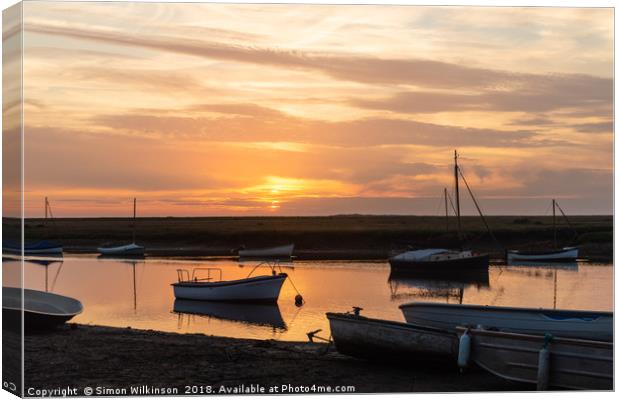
x: 355, y: 237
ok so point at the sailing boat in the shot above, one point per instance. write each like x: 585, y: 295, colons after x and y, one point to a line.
x: 443, y: 259
x: 125, y: 250
x: 555, y: 254
x: 37, y: 248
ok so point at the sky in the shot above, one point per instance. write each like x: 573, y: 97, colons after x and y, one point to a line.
x: 223, y: 109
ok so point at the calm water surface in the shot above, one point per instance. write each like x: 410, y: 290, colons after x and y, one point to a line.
x: 138, y: 293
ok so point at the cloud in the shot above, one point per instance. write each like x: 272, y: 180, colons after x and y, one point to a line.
x: 273, y: 126
x: 349, y: 67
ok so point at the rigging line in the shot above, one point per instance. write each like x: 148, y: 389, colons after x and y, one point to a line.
x: 479, y: 210
x: 567, y: 221
x: 451, y: 203
x: 56, y: 276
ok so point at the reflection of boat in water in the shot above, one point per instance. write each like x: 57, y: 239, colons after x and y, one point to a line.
x: 249, y: 313
x: 367, y: 338
x: 543, y: 360
x: 41, y: 310
x: 554, y: 265
x: 435, y: 285
x: 561, y: 323
x: 280, y: 252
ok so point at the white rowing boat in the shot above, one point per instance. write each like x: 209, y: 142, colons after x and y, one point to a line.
x: 561, y: 255
x: 281, y: 252
x: 41, y: 310
x: 122, y: 250
x: 560, y: 323
x: 543, y: 360
x: 251, y: 289
x: 368, y: 338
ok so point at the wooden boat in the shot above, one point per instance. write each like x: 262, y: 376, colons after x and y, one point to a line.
x: 571, y: 363
x: 42, y: 310
x: 251, y: 289
x: 565, y: 254
x: 437, y: 258
x: 127, y: 250
x: 32, y: 249
x: 247, y: 313
x: 281, y: 252
x: 561, y: 323
x: 554, y: 254
x: 122, y: 250
x: 367, y: 338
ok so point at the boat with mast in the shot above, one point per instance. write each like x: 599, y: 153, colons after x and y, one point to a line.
x: 555, y: 254
x: 132, y: 249
x: 445, y: 259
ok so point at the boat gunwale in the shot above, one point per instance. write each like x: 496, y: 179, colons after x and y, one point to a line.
x: 216, y: 284
x: 393, y: 323
x: 574, y: 313
x: 535, y: 338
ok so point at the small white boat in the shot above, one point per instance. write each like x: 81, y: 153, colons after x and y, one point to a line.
x: 561, y: 323
x: 127, y: 250
x: 265, y: 289
x: 368, y: 338
x: 281, y: 252
x: 566, y: 363
x: 561, y: 255
x: 438, y: 259
x: 122, y: 250
x: 41, y: 310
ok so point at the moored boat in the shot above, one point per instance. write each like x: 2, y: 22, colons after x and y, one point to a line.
x: 562, y: 323
x: 280, y: 252
x: 565, y: 254
x: 251, y: 289
x: 438, y: 259
x: 41, y: 310
x: 553, y: 254
x: 122, y: 250
x: 547, y: 361
x: 367, y: 338
x: 32, y: 249
x: 126, y: 250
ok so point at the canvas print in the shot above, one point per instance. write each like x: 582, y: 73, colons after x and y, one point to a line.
x: 205, y: 198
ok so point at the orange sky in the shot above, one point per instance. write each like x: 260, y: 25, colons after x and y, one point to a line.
x: 222, y: 109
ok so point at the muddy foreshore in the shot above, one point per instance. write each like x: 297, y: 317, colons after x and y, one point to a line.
x: 81, y: 356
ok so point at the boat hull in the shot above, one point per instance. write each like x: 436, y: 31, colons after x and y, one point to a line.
x: 264, y: 289
x: 573, y: 363
x: 368, y: 338
x: 461, y: 264
x: 562, y: 323
x: 41, y: 310
x: 38, y: 248
x: 281, y: 252
x: 564, y: 255
x: 122, y: 250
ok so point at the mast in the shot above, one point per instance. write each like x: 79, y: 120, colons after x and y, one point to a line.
x: 456, y: 191
x: 555, y: 236
x: 46, y: 206
x: 445, y: 200
x: 133, y: 234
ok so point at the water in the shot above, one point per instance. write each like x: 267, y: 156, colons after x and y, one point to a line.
x: 107, y: 291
